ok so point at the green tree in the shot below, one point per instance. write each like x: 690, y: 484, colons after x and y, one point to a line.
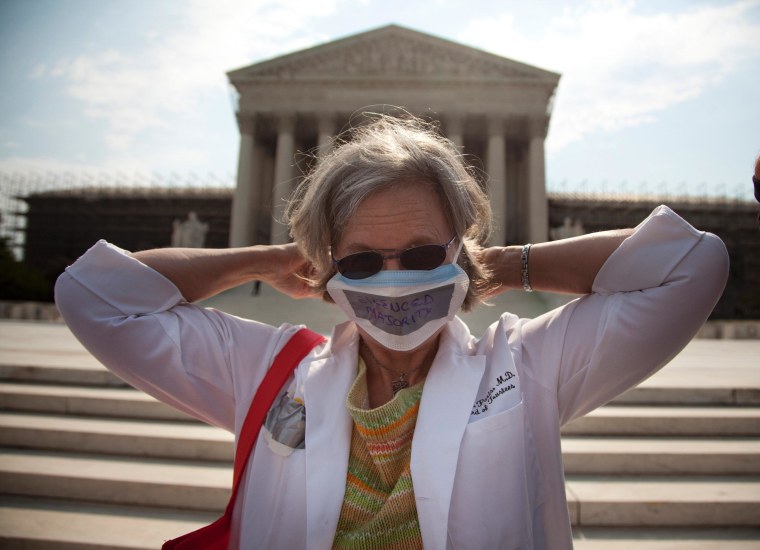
x: 19, y: 281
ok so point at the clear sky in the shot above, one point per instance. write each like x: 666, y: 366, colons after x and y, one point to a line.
x: 651, y: 91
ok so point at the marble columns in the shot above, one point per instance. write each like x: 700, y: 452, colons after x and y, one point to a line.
x: 455, y: 130
x: 283, y: 177
x: 325, y: 133
x: 243, y: 205
x: 538, y: 205
x: 513, y: 151
x: 496, y: 163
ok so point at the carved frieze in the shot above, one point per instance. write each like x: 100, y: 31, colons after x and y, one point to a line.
x: 392, y: 54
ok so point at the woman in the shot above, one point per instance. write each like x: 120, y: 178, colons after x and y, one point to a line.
x: 417, y: 432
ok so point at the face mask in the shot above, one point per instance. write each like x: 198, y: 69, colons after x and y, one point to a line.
x: 402, y: 309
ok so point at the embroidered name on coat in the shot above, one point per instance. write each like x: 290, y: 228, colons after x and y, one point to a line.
x: 503, y: 385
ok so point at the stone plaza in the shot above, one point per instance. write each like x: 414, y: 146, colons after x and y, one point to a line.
x: 87, y: 462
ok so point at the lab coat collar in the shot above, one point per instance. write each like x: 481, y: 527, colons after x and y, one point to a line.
x: 328, y: 434
x: 447, y: 399
x: 450, y: 390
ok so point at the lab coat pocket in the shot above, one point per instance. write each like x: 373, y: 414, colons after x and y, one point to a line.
x: 492, y: 504
x: 285, y: 425
x: 497, y: 421
x: 275, y: 495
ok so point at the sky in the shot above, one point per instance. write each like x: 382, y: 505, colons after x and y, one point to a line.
x: 654, y: 95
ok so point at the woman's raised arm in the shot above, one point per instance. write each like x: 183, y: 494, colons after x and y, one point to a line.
x: 199, y: 273
x: 566, y: 266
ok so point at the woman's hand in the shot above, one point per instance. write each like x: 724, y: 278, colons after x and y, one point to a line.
x: 504, y: 264
x: 199, y: 273
x: 288, y: 272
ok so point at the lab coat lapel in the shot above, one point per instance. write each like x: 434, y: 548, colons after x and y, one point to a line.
x: 328, y: 435
x: 447, y: 399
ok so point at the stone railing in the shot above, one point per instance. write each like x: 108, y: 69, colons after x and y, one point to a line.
x: 742, y: 329
x: 45, y: 311
x: 29, y: 311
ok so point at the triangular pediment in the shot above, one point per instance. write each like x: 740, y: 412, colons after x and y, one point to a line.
x: 392, y: 52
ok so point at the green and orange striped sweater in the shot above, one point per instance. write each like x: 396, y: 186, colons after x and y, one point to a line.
x: 379, y: 508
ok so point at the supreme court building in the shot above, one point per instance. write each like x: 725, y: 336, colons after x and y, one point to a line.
x: 495, y: 109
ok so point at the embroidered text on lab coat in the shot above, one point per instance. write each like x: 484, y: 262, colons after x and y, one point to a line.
x: 502, y: 386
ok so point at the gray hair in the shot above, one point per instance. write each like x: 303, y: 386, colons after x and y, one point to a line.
x: 386, y: 152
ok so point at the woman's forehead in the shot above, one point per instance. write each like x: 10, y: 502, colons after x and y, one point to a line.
x: 410, y: 214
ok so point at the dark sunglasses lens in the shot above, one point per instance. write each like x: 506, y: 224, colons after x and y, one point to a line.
x: 425, y: 257
x: 360, y: 265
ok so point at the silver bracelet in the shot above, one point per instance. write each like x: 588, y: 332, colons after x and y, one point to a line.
x: 524, y: 268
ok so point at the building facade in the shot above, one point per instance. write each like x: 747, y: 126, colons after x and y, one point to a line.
x: 290, y: 108
x: 61, y: 225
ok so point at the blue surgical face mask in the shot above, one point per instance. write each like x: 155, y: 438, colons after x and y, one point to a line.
x: 402, y: 309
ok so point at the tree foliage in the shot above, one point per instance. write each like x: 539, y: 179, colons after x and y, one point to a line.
x: 19, y: 281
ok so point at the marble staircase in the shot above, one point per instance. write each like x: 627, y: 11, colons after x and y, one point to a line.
x: 87, y: 462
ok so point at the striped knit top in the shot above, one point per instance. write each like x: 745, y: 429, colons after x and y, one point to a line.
x: 379, y: 509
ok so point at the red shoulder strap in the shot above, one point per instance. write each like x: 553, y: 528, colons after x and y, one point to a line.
x: 301, y: 343
x: 217, y: 535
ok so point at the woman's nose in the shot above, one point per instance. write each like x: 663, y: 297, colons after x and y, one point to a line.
x: 392, y: 264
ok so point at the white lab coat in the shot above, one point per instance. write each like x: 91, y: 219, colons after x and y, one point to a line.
x: 486, y: 458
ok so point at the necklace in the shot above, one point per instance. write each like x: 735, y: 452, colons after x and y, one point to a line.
x: 402, y: 382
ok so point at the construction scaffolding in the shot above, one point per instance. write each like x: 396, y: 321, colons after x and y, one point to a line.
x: 137, y: 209
x: 50, y: 221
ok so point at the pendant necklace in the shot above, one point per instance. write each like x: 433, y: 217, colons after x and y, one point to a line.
x: 402, y: 382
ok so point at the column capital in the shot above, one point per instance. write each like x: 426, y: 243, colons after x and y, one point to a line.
x: 454, y: 123
x: 246, y: 123
x: 326, y: 123
x: 286, y: 122
x: 496, y: 125
x: 538, y: 127
x: 453, y: 126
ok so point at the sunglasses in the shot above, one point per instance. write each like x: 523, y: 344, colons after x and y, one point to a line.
x: 365, y: 264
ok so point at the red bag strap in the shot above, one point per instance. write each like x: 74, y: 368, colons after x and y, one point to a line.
x: 217, y: 535
x: 301, y: 343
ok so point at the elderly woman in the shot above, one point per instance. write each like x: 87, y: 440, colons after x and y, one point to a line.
x: 417, y: 433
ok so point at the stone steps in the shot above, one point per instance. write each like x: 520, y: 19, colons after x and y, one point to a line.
x: 691, y: 395
x: 667, y: 420
x: 49, y: 524
x: 110, y: 436
x: 633, y: 456
x: 68, y: 525
x: 630, y: 455
x: 64, y: 375
x: 54, y: 396
x: 87, y: 462
x: 71, y: 369
x: 180, y: 484
x: 603, y: 501
x: 98, y: 401
x: 665, y: 538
